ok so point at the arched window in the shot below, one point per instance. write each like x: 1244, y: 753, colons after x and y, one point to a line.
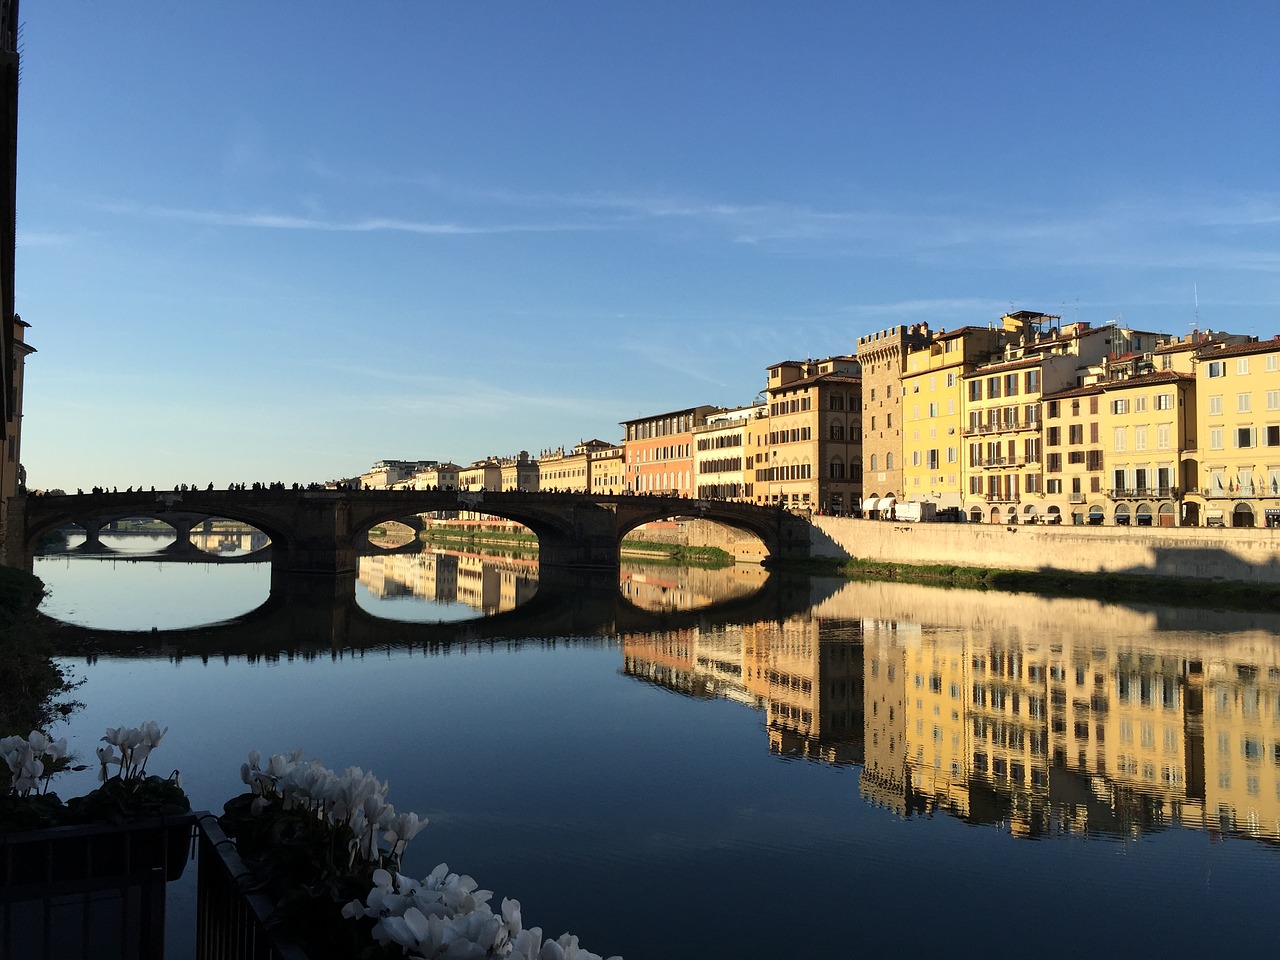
x: 873, y: 461
x: 837, y: 431
x: 837, y: 469
x: 888, y: 461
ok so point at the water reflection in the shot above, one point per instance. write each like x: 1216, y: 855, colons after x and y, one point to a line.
x: 816, y: 726
x: 1010, y: 710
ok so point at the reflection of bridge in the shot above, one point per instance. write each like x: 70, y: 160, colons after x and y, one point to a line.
x: 323, y: 531
x: 307, y: 616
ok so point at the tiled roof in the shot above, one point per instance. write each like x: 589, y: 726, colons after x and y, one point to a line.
x: 1147, y: 379
x: 1213, y: 351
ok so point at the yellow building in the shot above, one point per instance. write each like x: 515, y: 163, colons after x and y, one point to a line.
x: 1148, y: 421
x: 608, y: 470
x: 442, y: 476
x: 480, y: 475
x: 722, y: 453
x: 934, y: 414
x: 1238, y: 428
x: 519, y: 473
x: 1074, y: 467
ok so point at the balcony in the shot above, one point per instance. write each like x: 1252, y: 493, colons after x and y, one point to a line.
x: 1239, y: 490
x: 989, y: 462
x: 1001, y: 498
x: 1144, y: 493
x: 1000, y: 426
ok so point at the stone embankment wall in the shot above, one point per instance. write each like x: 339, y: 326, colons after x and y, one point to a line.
x: 745, y: 547
x: 1200, y: 553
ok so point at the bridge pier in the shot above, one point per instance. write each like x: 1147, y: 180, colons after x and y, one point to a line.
x: 92, y: 536
x: 589, y: 541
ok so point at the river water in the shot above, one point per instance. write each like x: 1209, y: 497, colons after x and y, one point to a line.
x: 866, y: 770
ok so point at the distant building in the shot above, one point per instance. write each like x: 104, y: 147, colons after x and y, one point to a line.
x: 659, y: 451
x: 389, y: 474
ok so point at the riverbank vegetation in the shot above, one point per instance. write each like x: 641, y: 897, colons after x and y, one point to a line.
x: 648, y: 550
x: 33, y: 688
x: 1111, y: 587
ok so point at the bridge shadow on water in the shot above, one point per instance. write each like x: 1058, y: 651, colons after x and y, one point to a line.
x: 310, y: 615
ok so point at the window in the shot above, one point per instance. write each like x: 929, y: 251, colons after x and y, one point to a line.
x: 873, y: 461
x: 1118, y: 439
x: 1010, y: 384
x: 1053, y: 463
x: 1053, y: 437
x: 1054, y: 408
x: 933, y: 410
x: 1163, y: 437
x: 1139, y: 404
x: 1273, y: 399
x: 1215, y: 438
x: 1139, y: 438
x: 1273, y: 436
x: 1033, y: 381
x: 1246, y: 437
x: 1075, y: 433
x: 1215, y: 406
x: 993, y: 388
x: 975, y: 389
x: 1164, y: 401
x: 1119, y: 406
x: 1217, y: 368
x: 888, y: 461
x: 951, y: 379
x: 1243, y: 401
x: 1242, y: 366
x: 1273, y: 362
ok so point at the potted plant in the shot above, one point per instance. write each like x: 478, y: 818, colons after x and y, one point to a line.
x: 131, y: 823
x: 326, y: 848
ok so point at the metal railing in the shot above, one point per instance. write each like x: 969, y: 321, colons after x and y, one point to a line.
x: 1143, y: 493
x: 89, y: 891
x: 231, y: 918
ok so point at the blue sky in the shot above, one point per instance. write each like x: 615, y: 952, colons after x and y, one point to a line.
x: 280, y: 241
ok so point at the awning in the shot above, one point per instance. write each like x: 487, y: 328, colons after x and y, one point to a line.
x: 871, y: 503
x: 887, y: 502
x: 1214, y: 514
x: 1272, y: 512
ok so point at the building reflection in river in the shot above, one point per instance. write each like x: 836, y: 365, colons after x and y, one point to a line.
x: 486, y: 583
x: 1009, y: 709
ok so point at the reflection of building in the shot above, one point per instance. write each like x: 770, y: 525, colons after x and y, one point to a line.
x: 1013, y: 711
x: 805, y: 674
x: 488, y: 584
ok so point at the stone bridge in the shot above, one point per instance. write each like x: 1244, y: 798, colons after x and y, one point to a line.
x: 323, y: 531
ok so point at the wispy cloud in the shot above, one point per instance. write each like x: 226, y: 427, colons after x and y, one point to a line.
x: 279, y: 221
x: 38, y: 238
